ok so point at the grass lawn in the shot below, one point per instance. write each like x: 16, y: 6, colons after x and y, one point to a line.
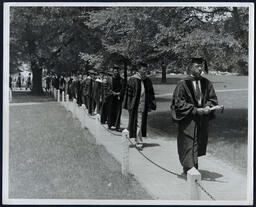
x: 52, y: 157
x: 228, y: 132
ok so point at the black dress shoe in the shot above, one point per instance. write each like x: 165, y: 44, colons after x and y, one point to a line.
x: 118, y: 129
x: 139, y: 146
x: 185, y: 170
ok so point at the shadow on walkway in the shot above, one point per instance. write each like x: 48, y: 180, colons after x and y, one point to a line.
x: 146, y: 145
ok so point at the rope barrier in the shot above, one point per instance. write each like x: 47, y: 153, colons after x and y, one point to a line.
x: 93, y: 117
x: 110, y: 131
x: 154, y: 163
x: 204, y: 190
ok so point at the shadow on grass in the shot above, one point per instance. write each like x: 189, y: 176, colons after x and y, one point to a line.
x: 227, y: 134
x: 27, y: 96
x: 163, y: 99
x: 232, y: 124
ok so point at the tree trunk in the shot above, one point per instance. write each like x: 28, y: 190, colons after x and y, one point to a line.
x: 125, y: 72
x: 236, y: 19
x: 37, y: 79
x: 163, y: 79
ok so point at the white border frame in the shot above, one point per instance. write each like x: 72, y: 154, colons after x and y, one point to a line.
x: 5, y: 164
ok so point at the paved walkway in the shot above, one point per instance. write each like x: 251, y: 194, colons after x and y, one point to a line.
x: 220, y: 180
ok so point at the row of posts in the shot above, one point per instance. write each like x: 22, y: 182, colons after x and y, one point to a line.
x: 193, y: 175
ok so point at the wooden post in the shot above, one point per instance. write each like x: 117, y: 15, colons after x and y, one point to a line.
x: 194, y: 175
x: 58, y: 95
x: 77, y: 111
x: 54, y: 93
x: 63, y: 96
x: 125, y: 158
x: 10, y: 95
x: 73, y: 107
x: 98, y: 117
x: 67, y: 102
x: 83, y: 116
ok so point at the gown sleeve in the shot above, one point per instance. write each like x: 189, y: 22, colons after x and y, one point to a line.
x: 211, y: 98
x: 180, y: 106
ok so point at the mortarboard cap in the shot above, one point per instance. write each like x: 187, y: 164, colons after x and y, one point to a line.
x: 102, y: 72
x: 116, y: 67
x: 92, y: 72
x: 110, y: 73
x: 143, y: 64
x: 200, y: 61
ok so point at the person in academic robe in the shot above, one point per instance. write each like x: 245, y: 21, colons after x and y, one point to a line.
x: 62, y: 84
x: 139, y: 100
x: 106, y: 93
x: 48, y: 83
x: 97, y: 95
x: 89, y: 92
x: 84, y: 90
x: 55, y: 81
x: 79, y: 89
x: 73, y: 87
x: 19, y: 81
x: 29, y: 82
x: 190, y: 108
x: 115, y: 99
x: 69, y: 84
x: 10, y: 82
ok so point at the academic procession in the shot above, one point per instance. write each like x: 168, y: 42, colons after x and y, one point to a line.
x: 129, y: 106
x: 113, y: 108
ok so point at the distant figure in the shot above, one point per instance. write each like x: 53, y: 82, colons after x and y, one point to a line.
x: 69, y: 84
x: 73, y: 87
x: 29, y: 82
x: 19, y: 81
x: 48, y: 83
x: 10, y: 82
x: 62, y: 84
x: 139, y: 100
x: 190, y: 108
x: 98, y: 92
x: 79, y: 90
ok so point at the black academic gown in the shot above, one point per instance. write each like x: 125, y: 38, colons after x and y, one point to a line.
x: 115, y: 102
x: 97, y: 95
x: 89, y: 95
x: 131, y: 103
x: 79, y: 92
x: 192, y: 128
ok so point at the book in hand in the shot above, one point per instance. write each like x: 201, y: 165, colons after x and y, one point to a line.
x: 217, y: 107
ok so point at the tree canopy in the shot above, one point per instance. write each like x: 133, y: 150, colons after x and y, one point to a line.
x: 73, y: 38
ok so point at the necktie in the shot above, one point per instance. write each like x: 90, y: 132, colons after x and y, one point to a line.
x: 198, y: 93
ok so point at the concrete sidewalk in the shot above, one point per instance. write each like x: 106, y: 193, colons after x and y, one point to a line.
x: 220, y: 180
